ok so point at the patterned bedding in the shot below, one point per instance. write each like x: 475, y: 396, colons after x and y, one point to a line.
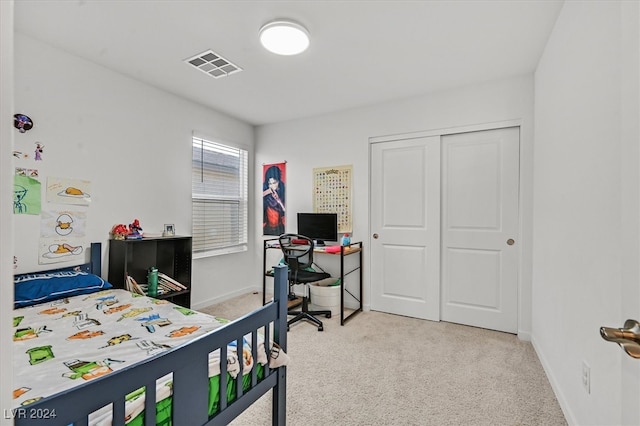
x: 62, y: 343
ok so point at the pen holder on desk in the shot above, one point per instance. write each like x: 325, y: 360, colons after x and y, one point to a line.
x: 152, y: 282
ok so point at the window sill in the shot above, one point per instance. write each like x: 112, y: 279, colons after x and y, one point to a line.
x: 220, y: 252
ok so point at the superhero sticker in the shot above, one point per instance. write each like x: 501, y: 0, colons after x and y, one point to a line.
x: 22, y: 122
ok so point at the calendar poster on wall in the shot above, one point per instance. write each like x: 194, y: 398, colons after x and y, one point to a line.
x: 332, y: 194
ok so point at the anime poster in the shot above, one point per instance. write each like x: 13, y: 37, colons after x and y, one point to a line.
x: 68, y: 191
x: 26, y: 195
x: 273, y: 198
x: 332, y: 194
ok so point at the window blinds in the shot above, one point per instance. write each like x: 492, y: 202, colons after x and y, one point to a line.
x: 219, y: 196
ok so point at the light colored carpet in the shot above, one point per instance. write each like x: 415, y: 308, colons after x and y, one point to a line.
x: 382, y: 369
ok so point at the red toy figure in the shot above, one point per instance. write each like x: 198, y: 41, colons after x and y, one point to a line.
x: 135, y: 230
x: 119, y: 231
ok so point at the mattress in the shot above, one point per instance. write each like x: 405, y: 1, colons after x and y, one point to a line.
x: 60, y: 344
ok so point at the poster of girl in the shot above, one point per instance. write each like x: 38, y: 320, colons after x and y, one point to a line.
x: 273, y: 199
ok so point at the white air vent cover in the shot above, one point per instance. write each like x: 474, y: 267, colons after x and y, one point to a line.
x: 213, y: 64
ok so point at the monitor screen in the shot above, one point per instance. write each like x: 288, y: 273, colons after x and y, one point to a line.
x: 320, y: 227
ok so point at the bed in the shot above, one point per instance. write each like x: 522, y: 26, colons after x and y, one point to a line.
x: 137, y: 360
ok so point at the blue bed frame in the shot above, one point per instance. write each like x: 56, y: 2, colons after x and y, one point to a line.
x: 189, y: 365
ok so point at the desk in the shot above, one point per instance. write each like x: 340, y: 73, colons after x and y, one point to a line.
x: 345, y: 252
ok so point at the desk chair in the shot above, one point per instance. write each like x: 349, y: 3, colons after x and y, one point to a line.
x: 298, y: 255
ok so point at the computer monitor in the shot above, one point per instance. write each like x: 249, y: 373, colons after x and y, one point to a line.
x: 320, y: 227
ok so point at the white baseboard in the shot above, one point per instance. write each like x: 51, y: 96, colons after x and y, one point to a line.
x: 524, y: 335
x: 562, y: 401
x: 219, y: 299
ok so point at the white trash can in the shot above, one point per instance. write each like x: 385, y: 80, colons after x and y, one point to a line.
x: 325, y: 296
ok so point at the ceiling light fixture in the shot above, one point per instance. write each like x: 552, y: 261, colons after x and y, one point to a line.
x: 284, y: 37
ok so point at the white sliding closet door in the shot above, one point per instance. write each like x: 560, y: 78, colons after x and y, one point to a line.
x: 480, y: 183
x: 405, y: 226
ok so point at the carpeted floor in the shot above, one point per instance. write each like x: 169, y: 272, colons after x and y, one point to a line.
x: 382, y: 369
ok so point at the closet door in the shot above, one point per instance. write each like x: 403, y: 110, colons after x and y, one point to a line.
x: 405, y: 227
x: 480, y: 183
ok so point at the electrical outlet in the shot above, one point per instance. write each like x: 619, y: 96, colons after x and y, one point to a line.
x: 586, y: 377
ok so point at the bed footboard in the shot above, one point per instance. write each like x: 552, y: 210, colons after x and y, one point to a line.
x: 189, y: 365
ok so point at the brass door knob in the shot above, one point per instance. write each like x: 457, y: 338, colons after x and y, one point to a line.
x: 375, y: 236
x: 511, y: 241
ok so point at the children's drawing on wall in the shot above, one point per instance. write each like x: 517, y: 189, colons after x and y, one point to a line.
x: 62, y: 235
x: 68, y: 191
x: 26, y: 195
x: 54, y: 224
x: 273, y: 198
x: 54, y: 251
x: 19, y: 194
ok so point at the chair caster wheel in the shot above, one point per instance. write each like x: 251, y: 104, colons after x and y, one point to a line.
x: 320, y: 328
x: 328, y: 315
x: 288, y: 328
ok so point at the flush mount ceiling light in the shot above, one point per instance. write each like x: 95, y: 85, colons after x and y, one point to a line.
x: 284, y: 37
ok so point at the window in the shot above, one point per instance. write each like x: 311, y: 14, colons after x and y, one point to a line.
x: 219, y: 195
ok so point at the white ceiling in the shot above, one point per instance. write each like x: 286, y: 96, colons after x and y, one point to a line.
x: 361, y: 53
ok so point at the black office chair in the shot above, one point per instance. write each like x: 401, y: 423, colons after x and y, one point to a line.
x: 298, y: 255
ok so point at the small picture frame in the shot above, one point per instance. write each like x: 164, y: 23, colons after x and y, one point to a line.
x: 169, y: 230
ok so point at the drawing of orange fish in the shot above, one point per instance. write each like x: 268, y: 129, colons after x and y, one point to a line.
x: 17, y: 393
x: 85, y: 334
x: 183, y: 331
x: 52, y: 311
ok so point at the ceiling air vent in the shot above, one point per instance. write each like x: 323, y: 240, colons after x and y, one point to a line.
x: 213, y: 64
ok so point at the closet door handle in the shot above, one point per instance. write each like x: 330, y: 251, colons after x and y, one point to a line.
x: 375, y: 236
x: 511, y: 241
x: 628, y: 337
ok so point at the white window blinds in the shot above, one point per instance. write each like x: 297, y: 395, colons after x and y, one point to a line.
x: 219, y: 196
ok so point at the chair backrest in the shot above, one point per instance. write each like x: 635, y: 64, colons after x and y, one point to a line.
x: 297, y: 250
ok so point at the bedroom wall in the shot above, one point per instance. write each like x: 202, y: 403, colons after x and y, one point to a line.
x: 342, y: 138
x: 6, y: 193
x: 131, y: 141
x: 586, y: 193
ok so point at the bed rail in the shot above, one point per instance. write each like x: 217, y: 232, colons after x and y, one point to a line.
x: 189, y: 365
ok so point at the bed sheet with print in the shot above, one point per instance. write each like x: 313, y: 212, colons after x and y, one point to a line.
x: 74, y: 356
